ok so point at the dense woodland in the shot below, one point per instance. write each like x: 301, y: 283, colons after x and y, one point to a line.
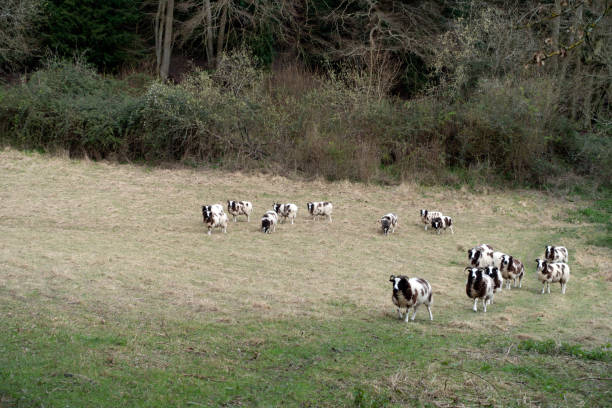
x: 452, y: 92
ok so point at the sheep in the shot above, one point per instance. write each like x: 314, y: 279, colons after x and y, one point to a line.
x: 512, y: 268
x: 411, y: 292
x: 481, y: 256
x: 286, y: 211
x: 323, y: 208
x: 495, y: 274
x: 237, y: 208
x: 214, y: 219
x: 388, y: 222
x: 442, y: 223
x: 497, y: 259
x: 556, y: 254
x: 479, y: 286
x: 428, y: 216
x: 269, y: 221
x: 548, y: 273
x: 209, y: 210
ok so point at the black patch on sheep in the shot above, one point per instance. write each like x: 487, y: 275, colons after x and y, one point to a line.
x: 494, y: 274
x: 386, y: 225
x: 475, y: 257
x: 403, y: 287
x: 436, y: 223
x: 266, y: 224
x: 475, y: 287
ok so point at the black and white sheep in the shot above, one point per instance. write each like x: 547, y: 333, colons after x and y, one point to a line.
x: 236, y: 208
x: 494, y: 273
x: 411, y: 292
x: 512, y: 269
x: 269, y: 221
x: 481, y: 256
x: 320, y: 208
x: 214, y: 217
x: 550, y: 272
x: 479, y: 286
x: 208, y: 210
x: 286, y: 211
x: 442, y: 223
x: 556, y: 254
x: 428, y: 216
x: 388, y: 223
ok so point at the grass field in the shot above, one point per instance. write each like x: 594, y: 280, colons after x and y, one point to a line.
x: 111, y: 294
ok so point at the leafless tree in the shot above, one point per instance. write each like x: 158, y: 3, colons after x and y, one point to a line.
x: 17, y: 42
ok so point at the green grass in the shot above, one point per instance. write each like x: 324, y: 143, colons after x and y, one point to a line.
x: 112, y: 295
x: 599, y: 213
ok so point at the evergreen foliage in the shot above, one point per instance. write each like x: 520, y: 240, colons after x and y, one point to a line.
x: 104, y: 31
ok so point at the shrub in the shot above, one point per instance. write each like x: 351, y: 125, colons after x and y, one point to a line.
x: 323, y: 127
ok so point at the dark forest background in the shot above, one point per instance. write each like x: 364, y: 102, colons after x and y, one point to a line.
x: 447, y: 92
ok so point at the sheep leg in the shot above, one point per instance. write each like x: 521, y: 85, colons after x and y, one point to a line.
x: 548, y: 287
x: 452, y: 231
x: 429, y: 310
x: 248, y: 218
x: 415, y: 307
x: 520, y: 282
x: 330, y: 218
x: 543, y: 288
x: 208, y: 231
x: 399, y: 313
x: 475, y: 308
x: 292, y: 218
x: 484, y: 305
x: 407, y: 313
x: 563, y: 288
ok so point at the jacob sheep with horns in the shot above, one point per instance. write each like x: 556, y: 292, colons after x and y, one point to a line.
x: 269, y: 221
x: 442, y: 223
x: 286, y: 211
x: 556, y: 254
x: 479, y: 286
x: 411, y: 292
x: 388, y: 223
x: 552, y: 272
x: 481, y: 256
x: 512, y: 269
x: 237, y: 208
x: 428, y: 216
x: 320, y: 208
x: 498, y: 280
x: 214, y: 217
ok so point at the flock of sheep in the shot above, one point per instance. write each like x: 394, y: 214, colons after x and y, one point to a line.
x: 214, y: 216
x: 486, y: 272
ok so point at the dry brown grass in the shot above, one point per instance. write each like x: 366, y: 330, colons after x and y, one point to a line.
x: 99, y: 242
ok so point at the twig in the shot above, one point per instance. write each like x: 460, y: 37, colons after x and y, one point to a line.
x: 552, y: 16
x: 594, y: 378
x: 477, y: 375
x: 509, y: 348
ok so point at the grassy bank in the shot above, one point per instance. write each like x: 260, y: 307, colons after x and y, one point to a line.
x: 112, y: 294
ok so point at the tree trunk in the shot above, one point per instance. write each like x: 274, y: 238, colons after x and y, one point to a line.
x: 555, y: 33
x: 158, y: 30
x: 221, y: 33
x: 577, y: 69
x: 209, y: 33
x: 167, y: 47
